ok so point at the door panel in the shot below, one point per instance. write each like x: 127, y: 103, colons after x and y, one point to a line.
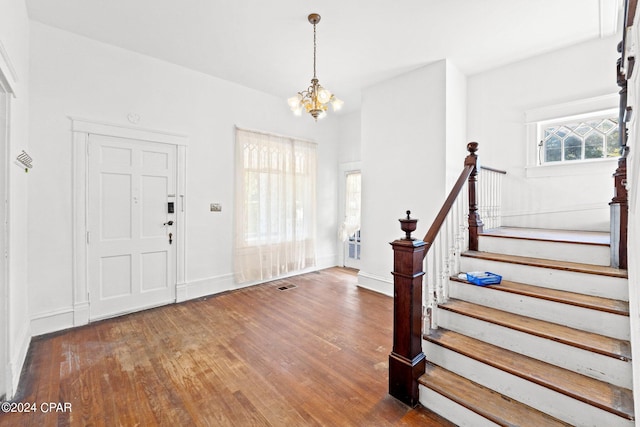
x: 115, y: 190
x: 153, y: 196
x: 131, y: 259
x: 115, y: 276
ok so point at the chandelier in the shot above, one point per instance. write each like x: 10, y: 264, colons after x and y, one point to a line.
x: 315, y: 99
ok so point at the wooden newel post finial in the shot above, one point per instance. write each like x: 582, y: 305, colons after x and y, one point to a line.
x: 408, y: 225
x: 407, y: 361
x: 475, y: 222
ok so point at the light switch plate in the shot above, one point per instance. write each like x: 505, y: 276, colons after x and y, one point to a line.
x: 215, y: 207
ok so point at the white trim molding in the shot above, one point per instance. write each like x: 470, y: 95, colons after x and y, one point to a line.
x: 96, y: 127
x: 382, y: 285
x: 18, y: 358
x: 52, y: 321
x: 203, y: 287
x: 574, y: 110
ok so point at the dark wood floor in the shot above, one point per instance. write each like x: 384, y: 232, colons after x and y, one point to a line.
x: 314, y: 354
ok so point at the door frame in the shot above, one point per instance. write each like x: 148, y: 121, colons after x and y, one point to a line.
x: 343, y: 170
x: 6, y: 388
x: 81, y: 129
x: 9, y: 86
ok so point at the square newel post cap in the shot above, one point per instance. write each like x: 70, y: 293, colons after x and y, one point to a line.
x: 408, y: 225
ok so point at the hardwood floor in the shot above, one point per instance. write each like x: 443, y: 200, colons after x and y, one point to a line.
x: 314, y: 354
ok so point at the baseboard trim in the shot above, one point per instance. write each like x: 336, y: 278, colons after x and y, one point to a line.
x: 375, y: 283
x: 55, y: 320
x: 18, y: 358
x: 81, y: 314
x: 326, y: 261
x: 203, y: 287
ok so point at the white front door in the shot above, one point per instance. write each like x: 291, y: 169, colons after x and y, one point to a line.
x: 131, y: 238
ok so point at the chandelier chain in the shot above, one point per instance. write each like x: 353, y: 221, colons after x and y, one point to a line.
x: 314, y: 51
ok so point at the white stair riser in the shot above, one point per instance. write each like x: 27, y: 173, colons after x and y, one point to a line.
x: 561, y: 251
x: 599, y: 322
x: 584, y: 362
x: 553, y: 403
x: 457, y: 414
x: 590, y: 284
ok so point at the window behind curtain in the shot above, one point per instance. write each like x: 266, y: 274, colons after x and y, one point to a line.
x: 275, y: 205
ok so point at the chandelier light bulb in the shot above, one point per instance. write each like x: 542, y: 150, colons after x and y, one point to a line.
x: 323, y: 95
x: 337, y: 104
x: 294, y: 101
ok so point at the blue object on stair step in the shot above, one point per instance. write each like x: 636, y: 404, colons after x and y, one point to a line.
x: 483, y: 278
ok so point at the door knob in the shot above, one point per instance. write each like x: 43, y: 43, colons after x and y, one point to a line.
x: 168, y: 223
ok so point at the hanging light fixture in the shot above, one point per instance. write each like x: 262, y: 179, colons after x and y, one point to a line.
x: 315, y: 99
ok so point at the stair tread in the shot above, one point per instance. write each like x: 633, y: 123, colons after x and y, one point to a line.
x: 611, y: 398
x: 572, y: 298
x: 546, y: 235
x: 488, y: 403
x: 607, y: 346
x: 548, y: 263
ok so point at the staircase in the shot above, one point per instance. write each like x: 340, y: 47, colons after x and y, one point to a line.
x: 548, y: 346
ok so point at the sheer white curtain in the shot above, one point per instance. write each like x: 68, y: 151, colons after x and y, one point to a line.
x: 275, y: 205
x: 353, y: 190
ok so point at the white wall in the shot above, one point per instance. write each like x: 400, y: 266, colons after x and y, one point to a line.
x: 497, y: 102
x: 350, y: 137
x: 14, y: 55
x: 409, y: 125
x: 73, y: 75
x: 456, y: 123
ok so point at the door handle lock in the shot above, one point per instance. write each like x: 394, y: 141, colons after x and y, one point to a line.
x: 170, y: 238
x: 168, y: 223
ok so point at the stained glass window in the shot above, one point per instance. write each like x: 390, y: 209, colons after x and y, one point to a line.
x: 574, y: 140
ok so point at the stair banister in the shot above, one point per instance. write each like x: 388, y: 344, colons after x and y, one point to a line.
x: 407, y: 361
x: 619, y: 204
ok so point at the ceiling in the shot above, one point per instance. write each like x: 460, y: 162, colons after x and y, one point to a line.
x: 269, y: 45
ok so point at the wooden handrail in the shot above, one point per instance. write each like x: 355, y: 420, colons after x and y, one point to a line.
x: 469, y: 173
x: 446, y: 207
x: 487, y: 168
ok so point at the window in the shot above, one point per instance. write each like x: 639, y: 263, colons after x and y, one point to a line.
x: 275, y: 205
x: 574, y: 139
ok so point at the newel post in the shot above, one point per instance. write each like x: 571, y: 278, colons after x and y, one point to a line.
x: 407, y: 361
x: 475, y: 222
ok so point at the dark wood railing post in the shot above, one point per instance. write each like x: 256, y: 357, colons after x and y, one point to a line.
x: 475, y: 222
x: 619, y: 216
x: 407, y: 361
x: 618, y: 206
